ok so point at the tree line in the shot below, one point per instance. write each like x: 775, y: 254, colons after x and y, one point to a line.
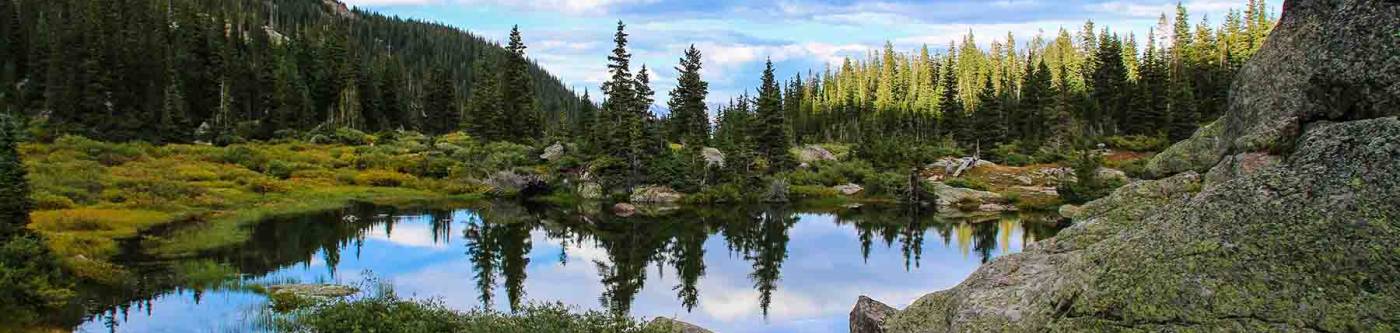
x: 1094, y: 82
x: 224, y: 71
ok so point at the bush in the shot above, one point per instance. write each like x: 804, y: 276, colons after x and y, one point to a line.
x: 1087, y: 186
x: 31, y: 282
x: 1140, y: 143
x: 352, y: 137
x: 382, y: 178
x: 812, y: 192
x: 48, y: 201
x: 721, y: 193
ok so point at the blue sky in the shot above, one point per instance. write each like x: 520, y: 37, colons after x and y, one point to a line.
x: 572, y: 38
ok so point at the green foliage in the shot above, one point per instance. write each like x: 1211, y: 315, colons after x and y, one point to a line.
x: 1087, y: 185
x: 30, y: 280
x: 1139, y: 143
x: 386, y: 312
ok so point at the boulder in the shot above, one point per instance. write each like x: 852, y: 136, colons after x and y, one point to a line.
x: 312, y: 290
x: 553, y: 152
x: 1107, y: 174
x: 1300, y: 238
x: 1070, y: 211
x: 663, y: 324
x: 713, y: 157
x: 848, y: 189
x: 814, y: 153
x: 868, y: 315
x: 1024, y: 180
x: 624, y: 209
x: 590, y: 190
x: 655, y: 194
x: 511, y: 183
x: 957, y: 197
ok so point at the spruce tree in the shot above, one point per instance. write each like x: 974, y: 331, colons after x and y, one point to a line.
x: 988, y: 118
x: 1110, y: 87
x: 619, y: 132
x: 14, y: 191
x: 771, y: 133
x: 690, y: 125
x: 440, y: 104
x: 517, y: 93
x: 485, y: 117
x: 951, y: 106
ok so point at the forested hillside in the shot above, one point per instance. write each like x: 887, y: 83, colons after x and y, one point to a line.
x: 224, y: 71
x: 1095, y: 82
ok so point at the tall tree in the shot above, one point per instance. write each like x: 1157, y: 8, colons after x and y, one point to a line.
x: 771, y: 128
x: 690, y: 125
x: 486, y: 116
x: 518, y: 94
x: 440, y: 105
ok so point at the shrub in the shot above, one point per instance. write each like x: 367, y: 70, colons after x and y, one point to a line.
x: 1087, y: 186
x: 48, y: 201
x: 31, y: 282
x: 812, y: 192
x: 721, y: 193
x: 382, y: 178
x: 1141, y: 143
x: 352, y: 137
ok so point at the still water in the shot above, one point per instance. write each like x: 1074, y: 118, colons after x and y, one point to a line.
x: 750, y: 269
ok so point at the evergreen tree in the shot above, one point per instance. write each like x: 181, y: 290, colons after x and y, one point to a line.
x: 485, y: 117
x: 1110, y: 87
x: 440, y: 104
x: 951, y: 106
x: 988, y: 118
x: 690, y: 125
x: 619, y: 129
x: 518, y: 94
x: 770, y: 128
x: 14, y: 191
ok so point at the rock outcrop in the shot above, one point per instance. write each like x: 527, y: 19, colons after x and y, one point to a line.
x: 713, y: 157
x: 868, y: 315
x: 848, y: 189
x: 1281, y: 216
x: 655, y: 195
x: 965, y: 199
x: 814, y: 153
x: 663, y: 324
x: 553, y: 152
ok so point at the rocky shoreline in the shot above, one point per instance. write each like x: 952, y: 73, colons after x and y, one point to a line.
x: 1281, y: 216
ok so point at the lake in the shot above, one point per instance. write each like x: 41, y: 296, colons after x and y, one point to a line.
x: 732, y: 269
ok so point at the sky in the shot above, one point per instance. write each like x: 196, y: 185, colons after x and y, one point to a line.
x: 572, y: 38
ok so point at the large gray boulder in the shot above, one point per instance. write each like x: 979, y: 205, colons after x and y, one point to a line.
x: 663, y: 324
x: 963, y: 198
x: 713, y: 157
x: 553, y: 152
x: 813, y: 153
x: 868, y: 315
x: 1280, y: 217
x: 655, y: 194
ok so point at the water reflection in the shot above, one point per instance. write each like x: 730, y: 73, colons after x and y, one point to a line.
x: 736, y: 269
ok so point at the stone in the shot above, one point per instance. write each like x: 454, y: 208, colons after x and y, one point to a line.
x: 814, y: 153
x: 590, y: 190
x: 313, y: 290
x: 1107, y: 174
x: 868, y: 315
x: 848, y: 189
x: 957, y: 197
x: 1292, y: 228
x: 1070, y: 211
x: 553, y: 152
x: 995, y: 208
x: 624, y: 209
x: 713, y: 157
x: 655, y: 194
x: 1024, y: 180
x: 669, y: 325
x: 512, y: 183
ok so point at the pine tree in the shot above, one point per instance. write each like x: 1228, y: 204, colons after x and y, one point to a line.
x: 1036, y: 99
x: 988, y: 118
x: 951, y: 106
x: 690, y: 123
x: 619, y: 129
x: 517, y: 93
x: 440, y: 105
x: 1110, y: 87
x: 14, y: 191
x: 771, y: 133
x: 485, y: 117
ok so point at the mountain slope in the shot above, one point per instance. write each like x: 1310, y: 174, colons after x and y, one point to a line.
x: 225, y: 70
